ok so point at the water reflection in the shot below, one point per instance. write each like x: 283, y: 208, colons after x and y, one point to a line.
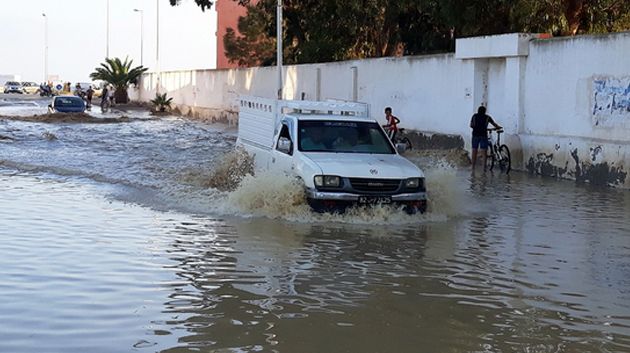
x: 523, y: 273
x: 519, y: 264
x: 271, y: 273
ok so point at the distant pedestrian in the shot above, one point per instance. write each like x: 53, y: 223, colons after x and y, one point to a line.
x: 104, y: 98
x: 89, y: 94
x: 78, y: 90
x: 112, y: 99
x: 479, y: 124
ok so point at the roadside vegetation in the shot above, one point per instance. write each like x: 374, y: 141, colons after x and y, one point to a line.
x: 161, y: 102
x: 119, y: 74
x: 332, y: 30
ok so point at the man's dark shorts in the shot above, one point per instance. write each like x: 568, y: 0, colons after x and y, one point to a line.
x: 480, y: 142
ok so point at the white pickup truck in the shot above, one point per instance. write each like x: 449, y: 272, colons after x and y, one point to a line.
x: 342, y: 156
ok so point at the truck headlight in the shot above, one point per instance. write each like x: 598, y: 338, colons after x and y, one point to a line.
x: 327, y: 181
x: 414, y: 183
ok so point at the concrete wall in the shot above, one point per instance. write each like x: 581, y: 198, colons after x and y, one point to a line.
x: 565, y: 103
x: 577, y: 108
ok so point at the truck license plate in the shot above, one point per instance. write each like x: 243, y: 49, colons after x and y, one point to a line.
x: 375, y: 200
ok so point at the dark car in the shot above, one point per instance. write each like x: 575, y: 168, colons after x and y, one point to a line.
x: 12, y: 87
x: 67, y: 104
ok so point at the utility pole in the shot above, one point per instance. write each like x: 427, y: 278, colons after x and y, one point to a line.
x: 107, y: 44
x: 141, y: 35
x: 45, y: 47
x: 157, y: 46
x: 279, y: 48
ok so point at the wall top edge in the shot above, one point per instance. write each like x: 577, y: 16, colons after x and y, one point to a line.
x: 340, y: 63
x: 595, y: 36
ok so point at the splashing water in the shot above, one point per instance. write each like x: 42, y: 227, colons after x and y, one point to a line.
x: 49, y: 136
x: 279, y: 196
x: 231, y: 171
x: 444, y: 191
x: 226, y: 175
x: 271, y: 195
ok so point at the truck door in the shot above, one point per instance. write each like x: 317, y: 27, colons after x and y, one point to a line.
x: 284, y: 147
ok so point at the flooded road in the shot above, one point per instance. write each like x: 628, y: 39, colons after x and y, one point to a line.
x: 113, y: 241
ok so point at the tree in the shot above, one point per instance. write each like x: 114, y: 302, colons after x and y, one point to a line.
x: 206, y: 4
x: 571, y: 17
x: 256, y: 44
x: 332, y: 30
x: 161, y: 102
x: 119, y: 74
x: 203, y: 4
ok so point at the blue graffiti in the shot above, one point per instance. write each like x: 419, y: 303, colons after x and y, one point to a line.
x: 611, y: 97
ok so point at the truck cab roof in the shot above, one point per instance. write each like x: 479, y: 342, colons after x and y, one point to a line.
x: 322, y: 117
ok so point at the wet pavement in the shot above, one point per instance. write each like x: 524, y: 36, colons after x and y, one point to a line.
x: 112, y: 241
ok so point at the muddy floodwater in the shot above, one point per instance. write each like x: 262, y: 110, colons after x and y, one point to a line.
x: 142, y: 236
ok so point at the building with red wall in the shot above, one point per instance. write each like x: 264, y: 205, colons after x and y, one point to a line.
x: 228, y: 12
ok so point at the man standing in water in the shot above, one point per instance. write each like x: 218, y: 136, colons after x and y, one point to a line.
x: 104, y: 99
x: 89, y: 94
x: 479, y: 124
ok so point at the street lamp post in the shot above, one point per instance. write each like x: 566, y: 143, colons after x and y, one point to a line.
x: 107, y: 41
x: 157, y: 45
x: 279, y: 47
x: 141, y: 35
x: 45, y: 47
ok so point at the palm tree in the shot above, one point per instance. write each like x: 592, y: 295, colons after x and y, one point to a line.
x: 119, y: 74
x: 161, y: 102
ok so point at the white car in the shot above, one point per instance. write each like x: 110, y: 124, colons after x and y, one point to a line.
x: 13, y: 87
x: 30, y: 87
x: 342, y: 156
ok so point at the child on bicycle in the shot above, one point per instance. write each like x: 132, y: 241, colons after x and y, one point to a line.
x: 479, y: 124
x: 392, y: 123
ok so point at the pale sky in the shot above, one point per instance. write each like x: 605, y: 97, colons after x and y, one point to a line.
x: 77, y: 36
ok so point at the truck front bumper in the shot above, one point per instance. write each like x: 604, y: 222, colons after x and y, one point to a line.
x: 326, y: 201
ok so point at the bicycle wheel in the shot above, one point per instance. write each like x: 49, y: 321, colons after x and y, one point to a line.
x: 407, y: 143
x: 492, y: 155
x: 505, y: 161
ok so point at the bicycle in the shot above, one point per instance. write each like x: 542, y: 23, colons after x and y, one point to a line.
x: 397, y: 140
x: 499, y: 154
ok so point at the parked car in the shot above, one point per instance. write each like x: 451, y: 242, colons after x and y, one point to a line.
x: 340, y: 155
x: 84, y: 87
x: 67, y: 104
x: 98, y: 89
x: 13, y: 87
x: 30, y: 87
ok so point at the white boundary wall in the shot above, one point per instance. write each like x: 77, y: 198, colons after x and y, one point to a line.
x: 565, y: 103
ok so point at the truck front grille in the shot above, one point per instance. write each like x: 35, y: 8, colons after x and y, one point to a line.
x: 375, y: 185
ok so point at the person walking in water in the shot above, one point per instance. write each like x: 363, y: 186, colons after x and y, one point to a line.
x: 89, y: 94
x: 479, y: 124
x: 112, y: 98
x: 104, y: 99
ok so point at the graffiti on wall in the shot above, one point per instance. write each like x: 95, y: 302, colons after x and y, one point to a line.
x: 611, y: 100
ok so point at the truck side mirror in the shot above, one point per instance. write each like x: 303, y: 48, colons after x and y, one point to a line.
x: 284, y: 145
x: 401, y: 148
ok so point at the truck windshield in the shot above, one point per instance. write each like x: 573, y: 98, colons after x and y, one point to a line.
x: 343, y: 137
